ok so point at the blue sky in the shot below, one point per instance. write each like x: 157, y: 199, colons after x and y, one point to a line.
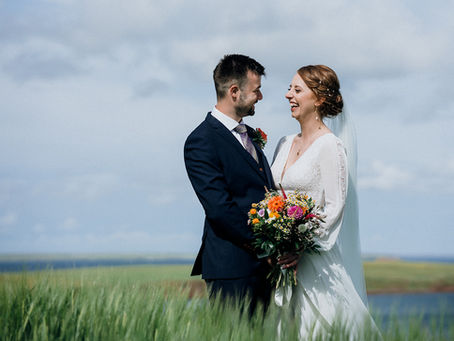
x: 97, y: 98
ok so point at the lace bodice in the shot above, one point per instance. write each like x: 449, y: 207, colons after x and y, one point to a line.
x: 321, y: 172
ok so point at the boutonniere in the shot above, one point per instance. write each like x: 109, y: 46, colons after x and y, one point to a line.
x: 260, y: 138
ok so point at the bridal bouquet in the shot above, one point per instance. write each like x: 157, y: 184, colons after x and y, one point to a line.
x: 283, y: 224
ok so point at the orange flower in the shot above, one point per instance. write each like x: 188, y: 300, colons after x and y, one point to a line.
x: 274, y: 215
x: 276, y: 203
x: 253, y: 211
x: 255, y: 221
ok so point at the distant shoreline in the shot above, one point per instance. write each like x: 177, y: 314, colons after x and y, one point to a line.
x: 61, y: 264
x: 447, y: 289
x: 38, y: 262
x: 411, y: 259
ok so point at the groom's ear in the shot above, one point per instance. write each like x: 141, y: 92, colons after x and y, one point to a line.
x: 234, y: 92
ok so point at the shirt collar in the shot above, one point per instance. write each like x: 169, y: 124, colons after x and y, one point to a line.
x: 228, y: 122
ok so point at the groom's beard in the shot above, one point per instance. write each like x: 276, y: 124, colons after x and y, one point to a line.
x: 251, y: 112
x: 244, y: 110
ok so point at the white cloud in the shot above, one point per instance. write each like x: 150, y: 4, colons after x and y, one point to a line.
x: 163, y: 198
x: 131, y: 240
x: 91, y: 186
x: 385, y: 177
x: 39, y: 228
x: 99, y: 96
x: 10, y: 187
x: 385, y: 38
x: 150, y: 242
x: 422, y: 178
x: 8, y: 219
x: 38, y: 59
x: 438, y: 178
x: 150, y: 87
x: 70, y: 224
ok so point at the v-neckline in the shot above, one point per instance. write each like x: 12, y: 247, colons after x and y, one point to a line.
x: 285, y: 169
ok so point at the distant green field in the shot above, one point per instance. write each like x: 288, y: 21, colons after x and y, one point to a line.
x: 381, y: 276
x: 398, y: 276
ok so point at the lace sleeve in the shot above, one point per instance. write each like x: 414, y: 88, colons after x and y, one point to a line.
x: 333, y: 170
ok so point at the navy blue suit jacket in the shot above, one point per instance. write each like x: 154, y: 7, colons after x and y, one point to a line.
x: 227, y: 180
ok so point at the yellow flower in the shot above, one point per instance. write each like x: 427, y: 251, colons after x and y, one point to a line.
x: 274, y: 215
x: 254, y: 205
x: 253, y: 211
x: 255, y: 221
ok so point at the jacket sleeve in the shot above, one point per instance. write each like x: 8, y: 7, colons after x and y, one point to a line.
x: 208, y: 180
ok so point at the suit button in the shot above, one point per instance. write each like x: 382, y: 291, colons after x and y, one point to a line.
x: 261, y: 169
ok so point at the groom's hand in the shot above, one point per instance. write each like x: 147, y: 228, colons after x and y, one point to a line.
x: 288, y: 260
x: 249, y: 248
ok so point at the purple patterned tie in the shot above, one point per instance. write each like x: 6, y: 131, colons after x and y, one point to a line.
x: 242, y: 130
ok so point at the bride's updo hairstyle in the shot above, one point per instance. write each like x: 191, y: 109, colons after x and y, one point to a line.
x: 324, y: 83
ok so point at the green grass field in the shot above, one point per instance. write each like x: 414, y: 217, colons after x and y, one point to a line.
x: 381, y: 276
x: 398, y: 276
x: 151, y: 303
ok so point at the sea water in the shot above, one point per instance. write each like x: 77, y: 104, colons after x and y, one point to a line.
x: 438, y: 307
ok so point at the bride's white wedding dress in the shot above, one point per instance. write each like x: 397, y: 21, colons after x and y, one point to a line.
x: 325, y: 292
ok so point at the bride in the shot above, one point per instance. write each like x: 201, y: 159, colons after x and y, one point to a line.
x: 315, y: 161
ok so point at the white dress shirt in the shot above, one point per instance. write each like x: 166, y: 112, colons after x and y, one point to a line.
x: 228, y: 122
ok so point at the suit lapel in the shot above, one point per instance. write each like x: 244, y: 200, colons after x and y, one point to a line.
x: 226, y: 134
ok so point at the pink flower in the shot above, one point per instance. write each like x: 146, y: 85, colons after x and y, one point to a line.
x: 295, y: 212
x: 262, y: 212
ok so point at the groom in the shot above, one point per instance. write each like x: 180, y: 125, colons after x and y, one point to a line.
x: 229, y: 172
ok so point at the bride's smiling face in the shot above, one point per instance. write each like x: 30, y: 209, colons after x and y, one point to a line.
x: 301, y: 98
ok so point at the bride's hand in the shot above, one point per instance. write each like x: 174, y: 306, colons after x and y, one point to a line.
x: 288, y: 260
x: 269, y: 261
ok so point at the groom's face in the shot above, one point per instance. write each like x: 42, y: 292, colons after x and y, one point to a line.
x: 249, y: 95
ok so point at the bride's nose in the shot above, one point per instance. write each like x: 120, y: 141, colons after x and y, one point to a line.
x: 288, y: 95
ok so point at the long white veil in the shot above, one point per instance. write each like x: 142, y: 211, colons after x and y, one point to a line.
x: 348, y: 240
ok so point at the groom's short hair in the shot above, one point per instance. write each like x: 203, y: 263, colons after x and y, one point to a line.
x: 233, y: 68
